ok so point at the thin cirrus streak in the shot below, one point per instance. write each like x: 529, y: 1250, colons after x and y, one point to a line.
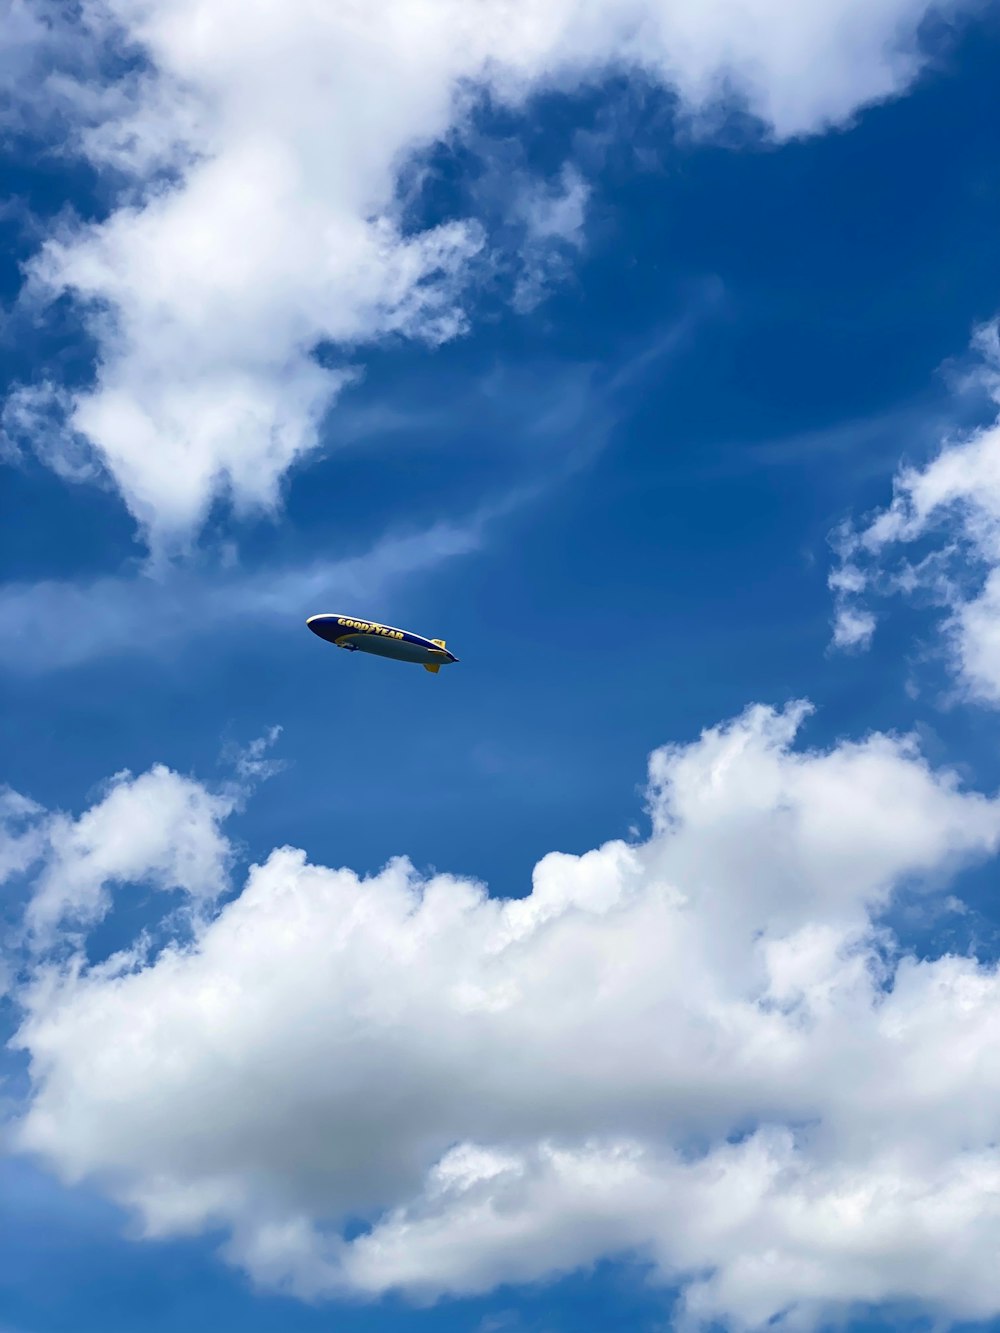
x: 56, y: 624
x: 549, y: 422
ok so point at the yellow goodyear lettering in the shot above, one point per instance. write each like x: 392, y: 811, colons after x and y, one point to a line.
x: 369, y: 627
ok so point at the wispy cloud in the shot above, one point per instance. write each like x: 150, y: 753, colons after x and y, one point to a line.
x: 55, y: 624
x: 869, y: 445
x: 540, y: 410
x: 548, y: 423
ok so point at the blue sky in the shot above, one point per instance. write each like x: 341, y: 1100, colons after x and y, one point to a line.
x: 671, y: 344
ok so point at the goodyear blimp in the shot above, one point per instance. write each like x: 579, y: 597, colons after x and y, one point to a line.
x: 368, y: 636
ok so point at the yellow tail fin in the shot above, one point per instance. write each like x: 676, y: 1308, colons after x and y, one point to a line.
x: 428, y: 667
x: 440, y: 643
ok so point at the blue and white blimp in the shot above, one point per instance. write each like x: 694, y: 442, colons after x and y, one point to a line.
x: 368, y: 636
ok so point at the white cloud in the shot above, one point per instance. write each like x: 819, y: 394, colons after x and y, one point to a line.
x: 949, y: 511
x: 263, y: 147
x: 251, y: 762
x: 702, y: 1048
x: 553, y: 216
x: 853, y: 628
x: 159, y: 828
x: 974, y: 629
x: 555, y: 209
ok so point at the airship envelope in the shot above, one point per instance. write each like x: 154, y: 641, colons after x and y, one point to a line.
x: 368, y: 636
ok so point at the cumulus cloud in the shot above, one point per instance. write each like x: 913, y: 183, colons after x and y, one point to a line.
x: 160, y: 829
x: 705, y: 1048
x: 947, y: 512
x: 259, y: 153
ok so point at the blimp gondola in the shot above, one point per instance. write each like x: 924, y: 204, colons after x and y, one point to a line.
x: 369, y: 636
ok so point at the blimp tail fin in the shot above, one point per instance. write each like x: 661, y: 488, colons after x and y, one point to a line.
x: 435, y: 668
x: 440, y: 643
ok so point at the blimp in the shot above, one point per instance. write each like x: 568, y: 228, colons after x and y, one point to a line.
x: 368, y: 636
